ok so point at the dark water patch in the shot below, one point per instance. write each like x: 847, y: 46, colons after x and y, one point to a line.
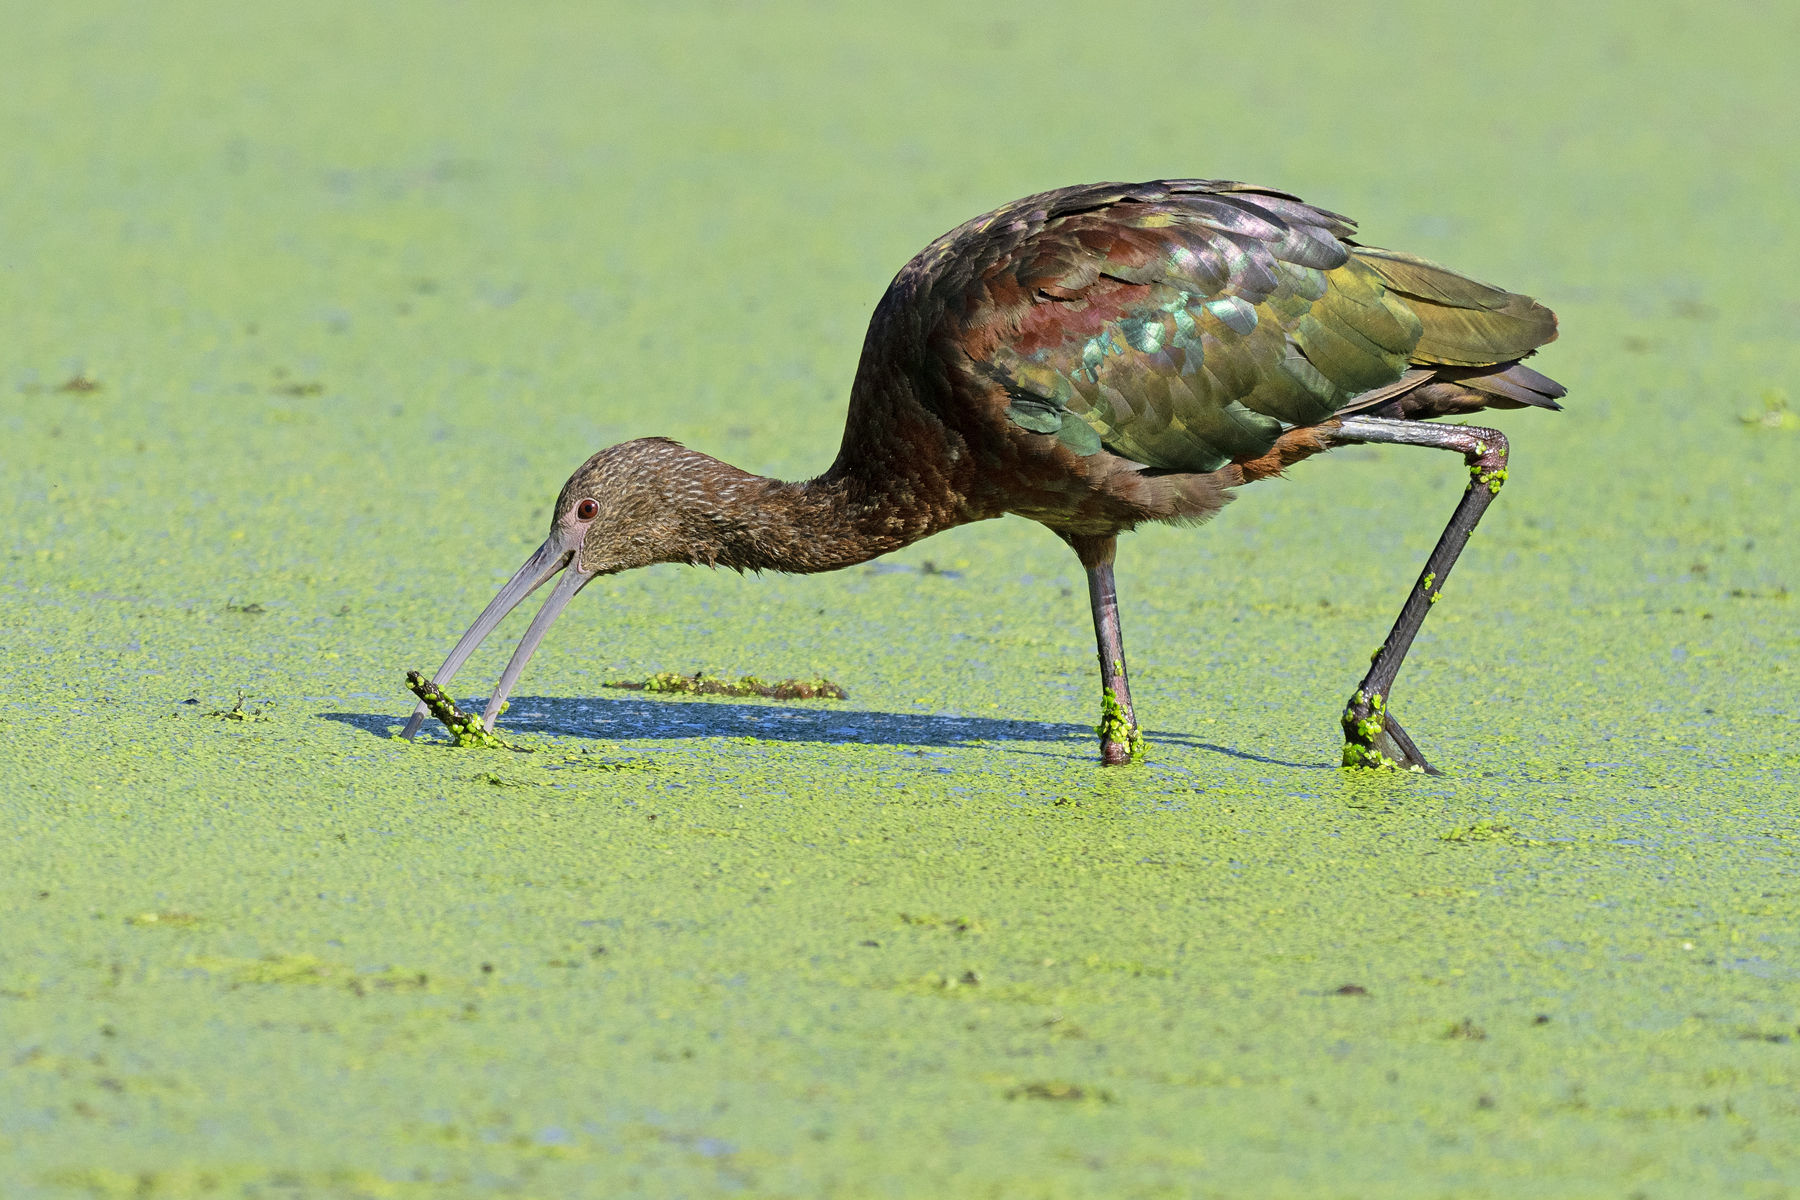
x: 647, y: 720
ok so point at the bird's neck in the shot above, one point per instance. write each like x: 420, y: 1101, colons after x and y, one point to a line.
x: 732, y: 518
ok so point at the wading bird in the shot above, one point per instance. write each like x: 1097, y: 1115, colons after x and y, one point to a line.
x: 1091, y: 358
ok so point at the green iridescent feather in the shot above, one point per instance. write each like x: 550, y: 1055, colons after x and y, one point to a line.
x: 1183, y: 325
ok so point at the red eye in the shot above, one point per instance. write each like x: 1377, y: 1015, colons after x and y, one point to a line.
x: 585, y: 510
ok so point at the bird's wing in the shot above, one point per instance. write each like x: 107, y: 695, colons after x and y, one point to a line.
x: 1184, y: 324
x: 1466, y: 323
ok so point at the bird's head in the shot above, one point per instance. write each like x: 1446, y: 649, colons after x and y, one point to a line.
x: 615, y: 513
x: 622, y: 508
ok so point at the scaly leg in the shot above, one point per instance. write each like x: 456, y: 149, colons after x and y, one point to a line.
x: 1120, y: 741
x: 1372, y: 737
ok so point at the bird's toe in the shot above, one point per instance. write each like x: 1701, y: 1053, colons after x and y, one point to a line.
x: 1373, y: 738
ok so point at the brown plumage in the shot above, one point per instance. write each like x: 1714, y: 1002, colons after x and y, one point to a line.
x: 1091, y: 358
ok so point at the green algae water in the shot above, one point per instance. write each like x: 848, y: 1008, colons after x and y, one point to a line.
x: 308, y: 311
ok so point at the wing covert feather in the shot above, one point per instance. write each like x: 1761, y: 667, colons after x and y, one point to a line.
x: 1184, y: 324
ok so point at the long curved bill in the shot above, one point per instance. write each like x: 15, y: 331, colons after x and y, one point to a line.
x: 554, y: 555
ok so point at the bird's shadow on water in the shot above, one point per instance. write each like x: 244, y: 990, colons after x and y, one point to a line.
x: 665, y: 720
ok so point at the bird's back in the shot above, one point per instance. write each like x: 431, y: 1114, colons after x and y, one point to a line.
x: 1185, y: 324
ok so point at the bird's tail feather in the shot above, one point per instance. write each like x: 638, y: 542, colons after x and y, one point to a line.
x: 1429, y: 392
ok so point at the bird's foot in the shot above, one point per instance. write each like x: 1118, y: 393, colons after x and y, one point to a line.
x: 1373, y: 738
x: 1121, y: 741
x: 1119, y: 754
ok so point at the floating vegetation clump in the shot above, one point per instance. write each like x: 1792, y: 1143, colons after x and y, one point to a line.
x: 1775, y: 414
x: 701, y: 684
x: 237, y: 712
x: 1058, y: 1090
x: 1489, y: 831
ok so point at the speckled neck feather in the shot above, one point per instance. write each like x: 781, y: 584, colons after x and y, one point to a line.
x: 661, y: 502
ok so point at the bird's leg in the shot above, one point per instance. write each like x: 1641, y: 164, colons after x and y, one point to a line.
x: 1372, y: 737
x: 1120, y: 741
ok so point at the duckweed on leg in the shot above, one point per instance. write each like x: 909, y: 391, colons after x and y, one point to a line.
x: 1373, y: 739
x: 1116, y: 726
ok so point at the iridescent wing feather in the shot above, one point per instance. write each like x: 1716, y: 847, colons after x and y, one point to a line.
x: 1184, y: 324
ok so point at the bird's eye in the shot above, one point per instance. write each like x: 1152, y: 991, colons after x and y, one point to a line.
x: 585, y: 510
